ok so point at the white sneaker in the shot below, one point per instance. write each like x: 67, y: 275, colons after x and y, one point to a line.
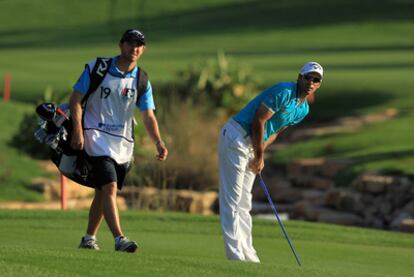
x: 89, y: 244
x: 126, y: 245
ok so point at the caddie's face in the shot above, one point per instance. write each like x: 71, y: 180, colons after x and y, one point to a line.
x: 131, y: 50
x: 309, y: 83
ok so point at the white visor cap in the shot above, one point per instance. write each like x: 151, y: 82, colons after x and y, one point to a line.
x: 312, y: 67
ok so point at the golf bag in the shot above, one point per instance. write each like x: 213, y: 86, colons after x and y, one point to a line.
x: 55, y: 131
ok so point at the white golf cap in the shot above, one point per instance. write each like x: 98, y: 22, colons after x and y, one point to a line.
x: 312, y: 67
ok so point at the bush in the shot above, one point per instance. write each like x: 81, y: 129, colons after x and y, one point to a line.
x: 218, y: 83
x: 191, y: 136
x: 24, y: 139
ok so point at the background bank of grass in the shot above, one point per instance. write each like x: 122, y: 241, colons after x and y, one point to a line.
x: 366, y: 47
x: 16, y: 168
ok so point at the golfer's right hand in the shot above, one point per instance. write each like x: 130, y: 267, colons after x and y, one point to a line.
x: 256, y: 165
x: 77, y: 141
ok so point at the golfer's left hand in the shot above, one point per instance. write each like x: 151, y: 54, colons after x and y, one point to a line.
x: 256, y: 165
x: 162, y: 151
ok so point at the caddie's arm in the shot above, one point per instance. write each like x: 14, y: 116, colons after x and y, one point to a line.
x: 75, y: 103
x: 151, y: 125
x: 262, y: 115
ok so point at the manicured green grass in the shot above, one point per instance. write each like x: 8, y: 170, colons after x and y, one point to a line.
x: 44, y: 243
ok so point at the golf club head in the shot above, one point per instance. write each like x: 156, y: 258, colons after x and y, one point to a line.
x: 46, y: 111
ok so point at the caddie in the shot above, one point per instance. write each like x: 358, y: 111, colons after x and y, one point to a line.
x: 102, y: 107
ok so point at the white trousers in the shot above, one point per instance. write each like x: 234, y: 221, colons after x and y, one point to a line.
x: 236, y: 182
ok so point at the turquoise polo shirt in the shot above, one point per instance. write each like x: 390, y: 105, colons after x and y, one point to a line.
x: 146, y: 102
x: 283, y: 101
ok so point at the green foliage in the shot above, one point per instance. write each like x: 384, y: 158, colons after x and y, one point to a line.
x: 24, y: 139
x: 219, y: 84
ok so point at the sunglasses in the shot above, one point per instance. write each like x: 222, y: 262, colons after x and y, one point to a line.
x: 315, y: 80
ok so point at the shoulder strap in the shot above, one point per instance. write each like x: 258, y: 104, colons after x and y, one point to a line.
x: 97, y: 75
x: 142, y: 82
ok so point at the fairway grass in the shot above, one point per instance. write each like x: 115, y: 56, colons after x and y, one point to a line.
x: 44, y: 243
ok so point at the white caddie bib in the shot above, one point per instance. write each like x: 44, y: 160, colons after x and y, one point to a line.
x: 108, y: 119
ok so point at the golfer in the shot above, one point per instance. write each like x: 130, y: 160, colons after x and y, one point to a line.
x: 104, y: 129
x: 243, y: 141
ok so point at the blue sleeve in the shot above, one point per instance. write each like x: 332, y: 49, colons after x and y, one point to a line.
x: 146, y: 102
x: 82, y: 85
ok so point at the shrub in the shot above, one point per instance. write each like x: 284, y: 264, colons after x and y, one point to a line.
x: 219, y: 83
x: 191, y: 136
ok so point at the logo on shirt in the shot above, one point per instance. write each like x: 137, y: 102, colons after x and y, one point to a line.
x: 103, y: 66
x: 128, y: 92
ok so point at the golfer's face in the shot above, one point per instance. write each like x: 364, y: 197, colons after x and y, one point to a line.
x: 131, y: 50
x: 310, y: 82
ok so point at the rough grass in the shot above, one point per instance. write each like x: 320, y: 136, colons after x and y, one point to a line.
x: 44, y: 243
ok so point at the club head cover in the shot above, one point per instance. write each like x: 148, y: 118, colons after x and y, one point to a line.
x: 46, y: 111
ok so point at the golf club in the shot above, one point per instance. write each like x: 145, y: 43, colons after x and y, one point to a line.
x: 277, y: 217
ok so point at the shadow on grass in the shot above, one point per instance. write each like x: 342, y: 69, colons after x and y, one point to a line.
x: 251, y: 15
x: 346, y: 176
x: 330, y: 105
x: 390, y: 155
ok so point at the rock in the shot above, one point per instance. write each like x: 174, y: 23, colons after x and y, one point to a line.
x: 313, y: 196
x: 315, y: 182
x: 278, y: 188
x: 332, y: 198
x: 196, y: 202
x: 385, y: 209
x: 350, y: 202
x: 336, y: 217
x: 46, y: 186
x: 51, y: 189
x: 373, y: 183
x: 77, y: 191
x: 407, y: 225
x: 265, y: 208
x: 316, y: 167
x: 344, y: 200
x: 409, y: 207
x: 177, y: 200
x: 396, y: 223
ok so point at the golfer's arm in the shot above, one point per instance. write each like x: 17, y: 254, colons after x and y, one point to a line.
x: 262, y: 115
x: 76, y: 111
x: 151, y: 125
x: 273, y: 137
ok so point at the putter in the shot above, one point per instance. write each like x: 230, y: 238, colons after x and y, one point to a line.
x: 277, y: 217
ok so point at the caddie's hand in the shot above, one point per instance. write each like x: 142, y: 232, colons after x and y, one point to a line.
x: 162, y: 151
x: 256, y: 165
x: 77, y: 141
